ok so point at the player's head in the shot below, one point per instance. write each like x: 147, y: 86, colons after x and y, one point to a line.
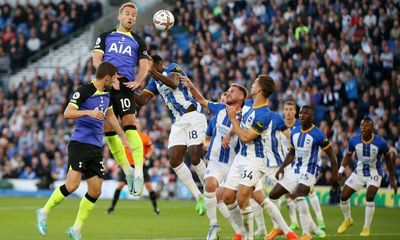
x: 158, y: 63
x: 127, y: 15
x: 289, y: 110
x: 263, y: 85
x: 107, y: 72
x: 367, y: 127
x: 223, y: 97
x: 306, y: 115
x: 236, y: 93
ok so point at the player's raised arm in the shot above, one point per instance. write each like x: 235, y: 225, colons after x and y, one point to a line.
x: 195, y: 91
x: 389, y: 157
x: 143, y: 98
x: 98, y: 51
x: 244, y: 135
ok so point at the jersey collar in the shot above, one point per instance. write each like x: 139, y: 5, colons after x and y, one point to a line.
x: 369, y: 141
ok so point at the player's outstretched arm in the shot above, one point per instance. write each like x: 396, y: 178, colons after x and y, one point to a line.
x: 334, y: 166
x: 389, y: 157
x: 194, y: 90
x: 72, y: 112
x: 143, y: 98
x: 112, y: 119
x: 172, y: 80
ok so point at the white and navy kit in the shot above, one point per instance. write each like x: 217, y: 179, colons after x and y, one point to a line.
x: 249, y: 164
x: 369, y: 169
x: 189, y: 126
x: 307, y: 145
x: 220, y: 158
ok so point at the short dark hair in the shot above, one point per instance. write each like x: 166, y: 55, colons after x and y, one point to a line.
x: 106, y: 69
x: 156, y: 58
x: 267, y: 85
x: 290, y: 103
x: 308, y: 107
x: 366, y: 118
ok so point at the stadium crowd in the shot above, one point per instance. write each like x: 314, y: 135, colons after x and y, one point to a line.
x: 25, y: 29
x: 341, y: 58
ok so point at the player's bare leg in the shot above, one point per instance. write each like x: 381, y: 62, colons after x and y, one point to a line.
x: 176, y: 154
x: 195, y: 152
x: 345, y: 207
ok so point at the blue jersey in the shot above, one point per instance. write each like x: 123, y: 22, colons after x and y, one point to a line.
x: 177, y: 100
x: 256, y: 119
x: 211, y: 126
x: 274, y: 147
x: 90, y: 130
x: 368, y: 154
x: 307, y: 145
x: 123, y: 50
x: 222, y: 126
x: 284, y: 141
x: 296, y: 124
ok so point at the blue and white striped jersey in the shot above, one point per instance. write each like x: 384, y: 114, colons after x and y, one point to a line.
x: 307, y: 145
x: 222, y: 126
x: 368, y: 154
x: 284, y: 141
x: 274, y: 147
x: 257, y: 119
x: 177, y: 100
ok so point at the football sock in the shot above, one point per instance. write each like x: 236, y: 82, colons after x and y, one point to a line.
x: 118, y: 151
x: 234, y: 211
x: 200, y: 170
x: 137, y: 148
x: 184, y: 174
x: 277, y: 203
x: 116, y: 197
x: 369, y: 213
x: 275, y: 214
x: 211, y: 207
x: 314, y: 201
x: 153, y: 198
x: 345, y: 206
x: 56, y: 198
x: 223, y: 209
x: 258, y: 214
x: 248, y: 220
x: 85, y: 208
x: 304, y: 213
x: 292, y: 210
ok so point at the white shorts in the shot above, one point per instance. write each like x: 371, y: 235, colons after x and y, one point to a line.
x: 356, y: 181
x: 270, y: 179
x: 217, y: 170
x: 291, y: 180
x: 241, y: 174
x: 189, y: 130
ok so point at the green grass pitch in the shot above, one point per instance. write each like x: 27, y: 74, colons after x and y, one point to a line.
x: 178, y: 220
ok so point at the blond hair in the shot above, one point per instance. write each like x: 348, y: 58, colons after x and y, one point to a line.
x: 127, y: 4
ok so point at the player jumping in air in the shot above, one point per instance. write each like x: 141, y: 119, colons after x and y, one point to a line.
x: 126, y: 50
x: 368, y: 149
x: 189, y: 125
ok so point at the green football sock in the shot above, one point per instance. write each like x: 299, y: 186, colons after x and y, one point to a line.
x: 56, y: 198
x: 118, y: 151
x: 85, y: 208
x: 136, y: 144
